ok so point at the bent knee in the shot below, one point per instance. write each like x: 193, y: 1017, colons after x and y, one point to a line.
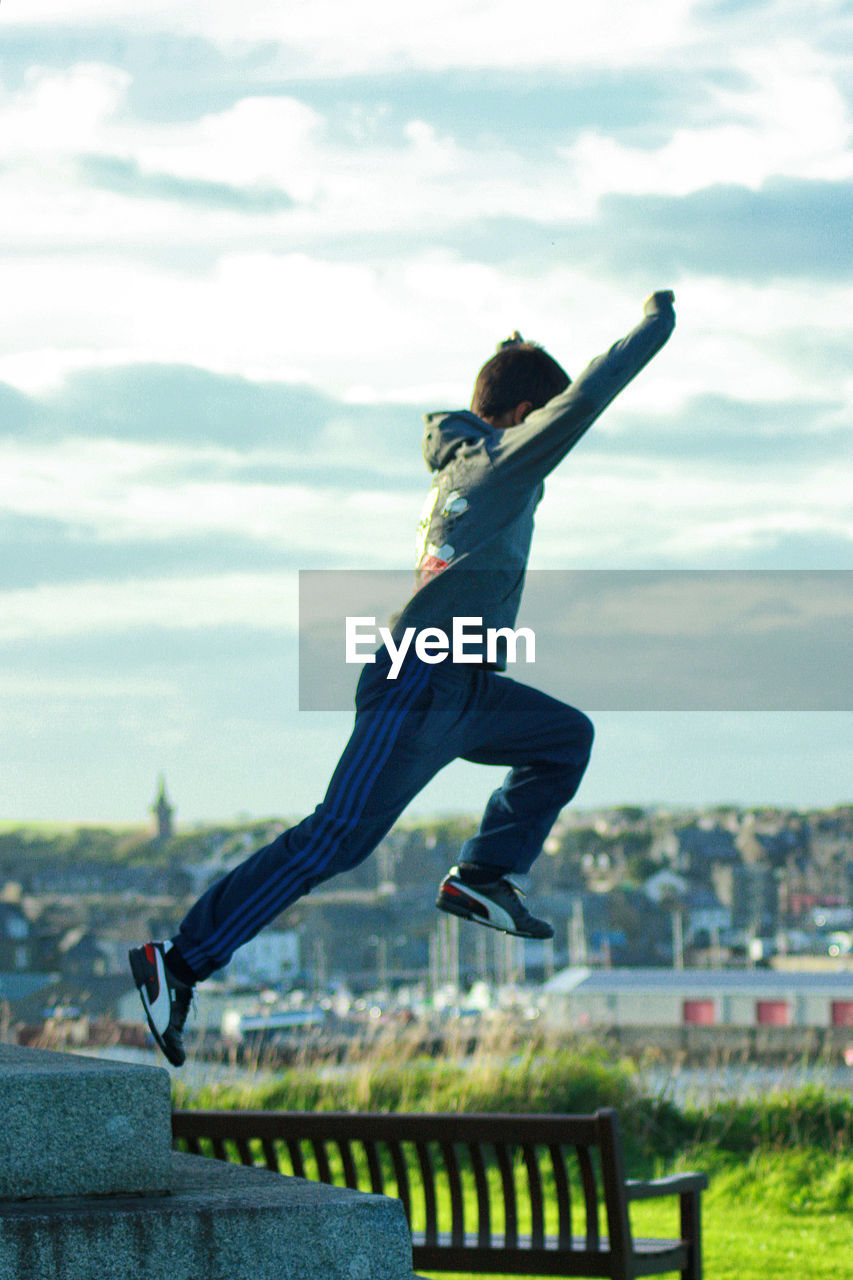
x: 581, y: 734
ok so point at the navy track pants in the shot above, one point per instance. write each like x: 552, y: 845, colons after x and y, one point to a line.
x: 405, y: 731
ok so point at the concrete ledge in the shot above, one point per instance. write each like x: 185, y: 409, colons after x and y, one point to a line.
x: 74, y: 1126
x: 219, y: 1222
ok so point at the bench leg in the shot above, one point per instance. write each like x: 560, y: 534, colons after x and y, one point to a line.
x: 691, y: 1231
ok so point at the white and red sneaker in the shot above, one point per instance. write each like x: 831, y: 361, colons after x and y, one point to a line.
x: 496, y: 904
x: 165, y: 1000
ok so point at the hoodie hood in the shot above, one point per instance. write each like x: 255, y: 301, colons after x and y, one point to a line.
x: 446, y: 434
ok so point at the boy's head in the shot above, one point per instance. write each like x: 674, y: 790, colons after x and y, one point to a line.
x: 519, y: 374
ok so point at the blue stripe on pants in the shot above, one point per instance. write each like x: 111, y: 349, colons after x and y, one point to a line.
x: 257, y: 891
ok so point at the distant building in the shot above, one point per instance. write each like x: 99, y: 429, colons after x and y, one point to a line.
x: 702, y: 847
x: 163, y: 811
x: 15, y: 938
x: 81, y: 955
x: 665, y: 886
x: 270, y: 958
x: 755, y: 900
x: 585, y: 997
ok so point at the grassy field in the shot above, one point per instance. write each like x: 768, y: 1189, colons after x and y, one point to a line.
x: 748, y: 1244
x: 773, y: 1213
x: 781, y: 1166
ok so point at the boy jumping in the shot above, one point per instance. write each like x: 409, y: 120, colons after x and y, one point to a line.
x: 488, y: 466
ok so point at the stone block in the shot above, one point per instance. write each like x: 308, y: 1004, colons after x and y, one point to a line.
x: 76, y: 1126
x: 219, y: 1222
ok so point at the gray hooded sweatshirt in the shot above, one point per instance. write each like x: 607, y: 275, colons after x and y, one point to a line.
x: 477, y: 523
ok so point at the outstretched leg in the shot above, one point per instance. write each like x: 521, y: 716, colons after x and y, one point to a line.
x: 364, y: 799
x: 383, y: 766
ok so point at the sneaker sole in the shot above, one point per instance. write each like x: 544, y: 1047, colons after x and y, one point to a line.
x: 466, y: 913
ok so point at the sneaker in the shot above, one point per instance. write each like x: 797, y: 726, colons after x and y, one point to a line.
x: 165, y: 1000
x: 496, y: 904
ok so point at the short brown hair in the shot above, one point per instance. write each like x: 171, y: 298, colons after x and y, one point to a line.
x: 519, y: 371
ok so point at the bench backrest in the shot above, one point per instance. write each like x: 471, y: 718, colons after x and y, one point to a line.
x: 505, y: 1182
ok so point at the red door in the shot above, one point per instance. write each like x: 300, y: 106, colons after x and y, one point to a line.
x: 699, y: 1013
x: 772, y: 1013
x: 842, y: 1013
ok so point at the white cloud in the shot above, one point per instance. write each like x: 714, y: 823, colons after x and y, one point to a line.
x: 60, y: 113
x: 734, y: 339
x: 791, y: 120
x: 330, y: 37
x: 420, y: 328
x: 259, y: 601
x: 303, y: 302
x: 632, y: 513
x: 118, y: 492
x: 262, y: 141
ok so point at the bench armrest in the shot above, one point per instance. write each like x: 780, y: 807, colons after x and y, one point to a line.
x: 676, y: 1184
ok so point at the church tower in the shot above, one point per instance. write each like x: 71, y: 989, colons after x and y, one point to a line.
x: 163, y: 812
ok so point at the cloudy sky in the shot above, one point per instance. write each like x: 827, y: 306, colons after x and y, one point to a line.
x: 245, y: 247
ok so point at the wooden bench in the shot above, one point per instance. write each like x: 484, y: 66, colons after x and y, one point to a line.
x: 501, y: 1194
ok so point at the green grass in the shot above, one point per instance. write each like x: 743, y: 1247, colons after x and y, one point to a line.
x: 755, y: 1226
x: 774, y: 1215
x: 750, y: 1245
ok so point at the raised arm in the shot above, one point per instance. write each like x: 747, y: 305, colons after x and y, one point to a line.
x: 539, y: 443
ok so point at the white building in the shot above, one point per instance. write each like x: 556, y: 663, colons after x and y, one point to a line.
x: 271, y: 958
x: 699, y: 997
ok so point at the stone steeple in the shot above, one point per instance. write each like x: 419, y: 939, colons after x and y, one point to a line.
x: 163, y: 812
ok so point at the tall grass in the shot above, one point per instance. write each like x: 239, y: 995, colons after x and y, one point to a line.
x: 810, y: 1116
x: 794, y: 1144
x: 395, y: 1075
